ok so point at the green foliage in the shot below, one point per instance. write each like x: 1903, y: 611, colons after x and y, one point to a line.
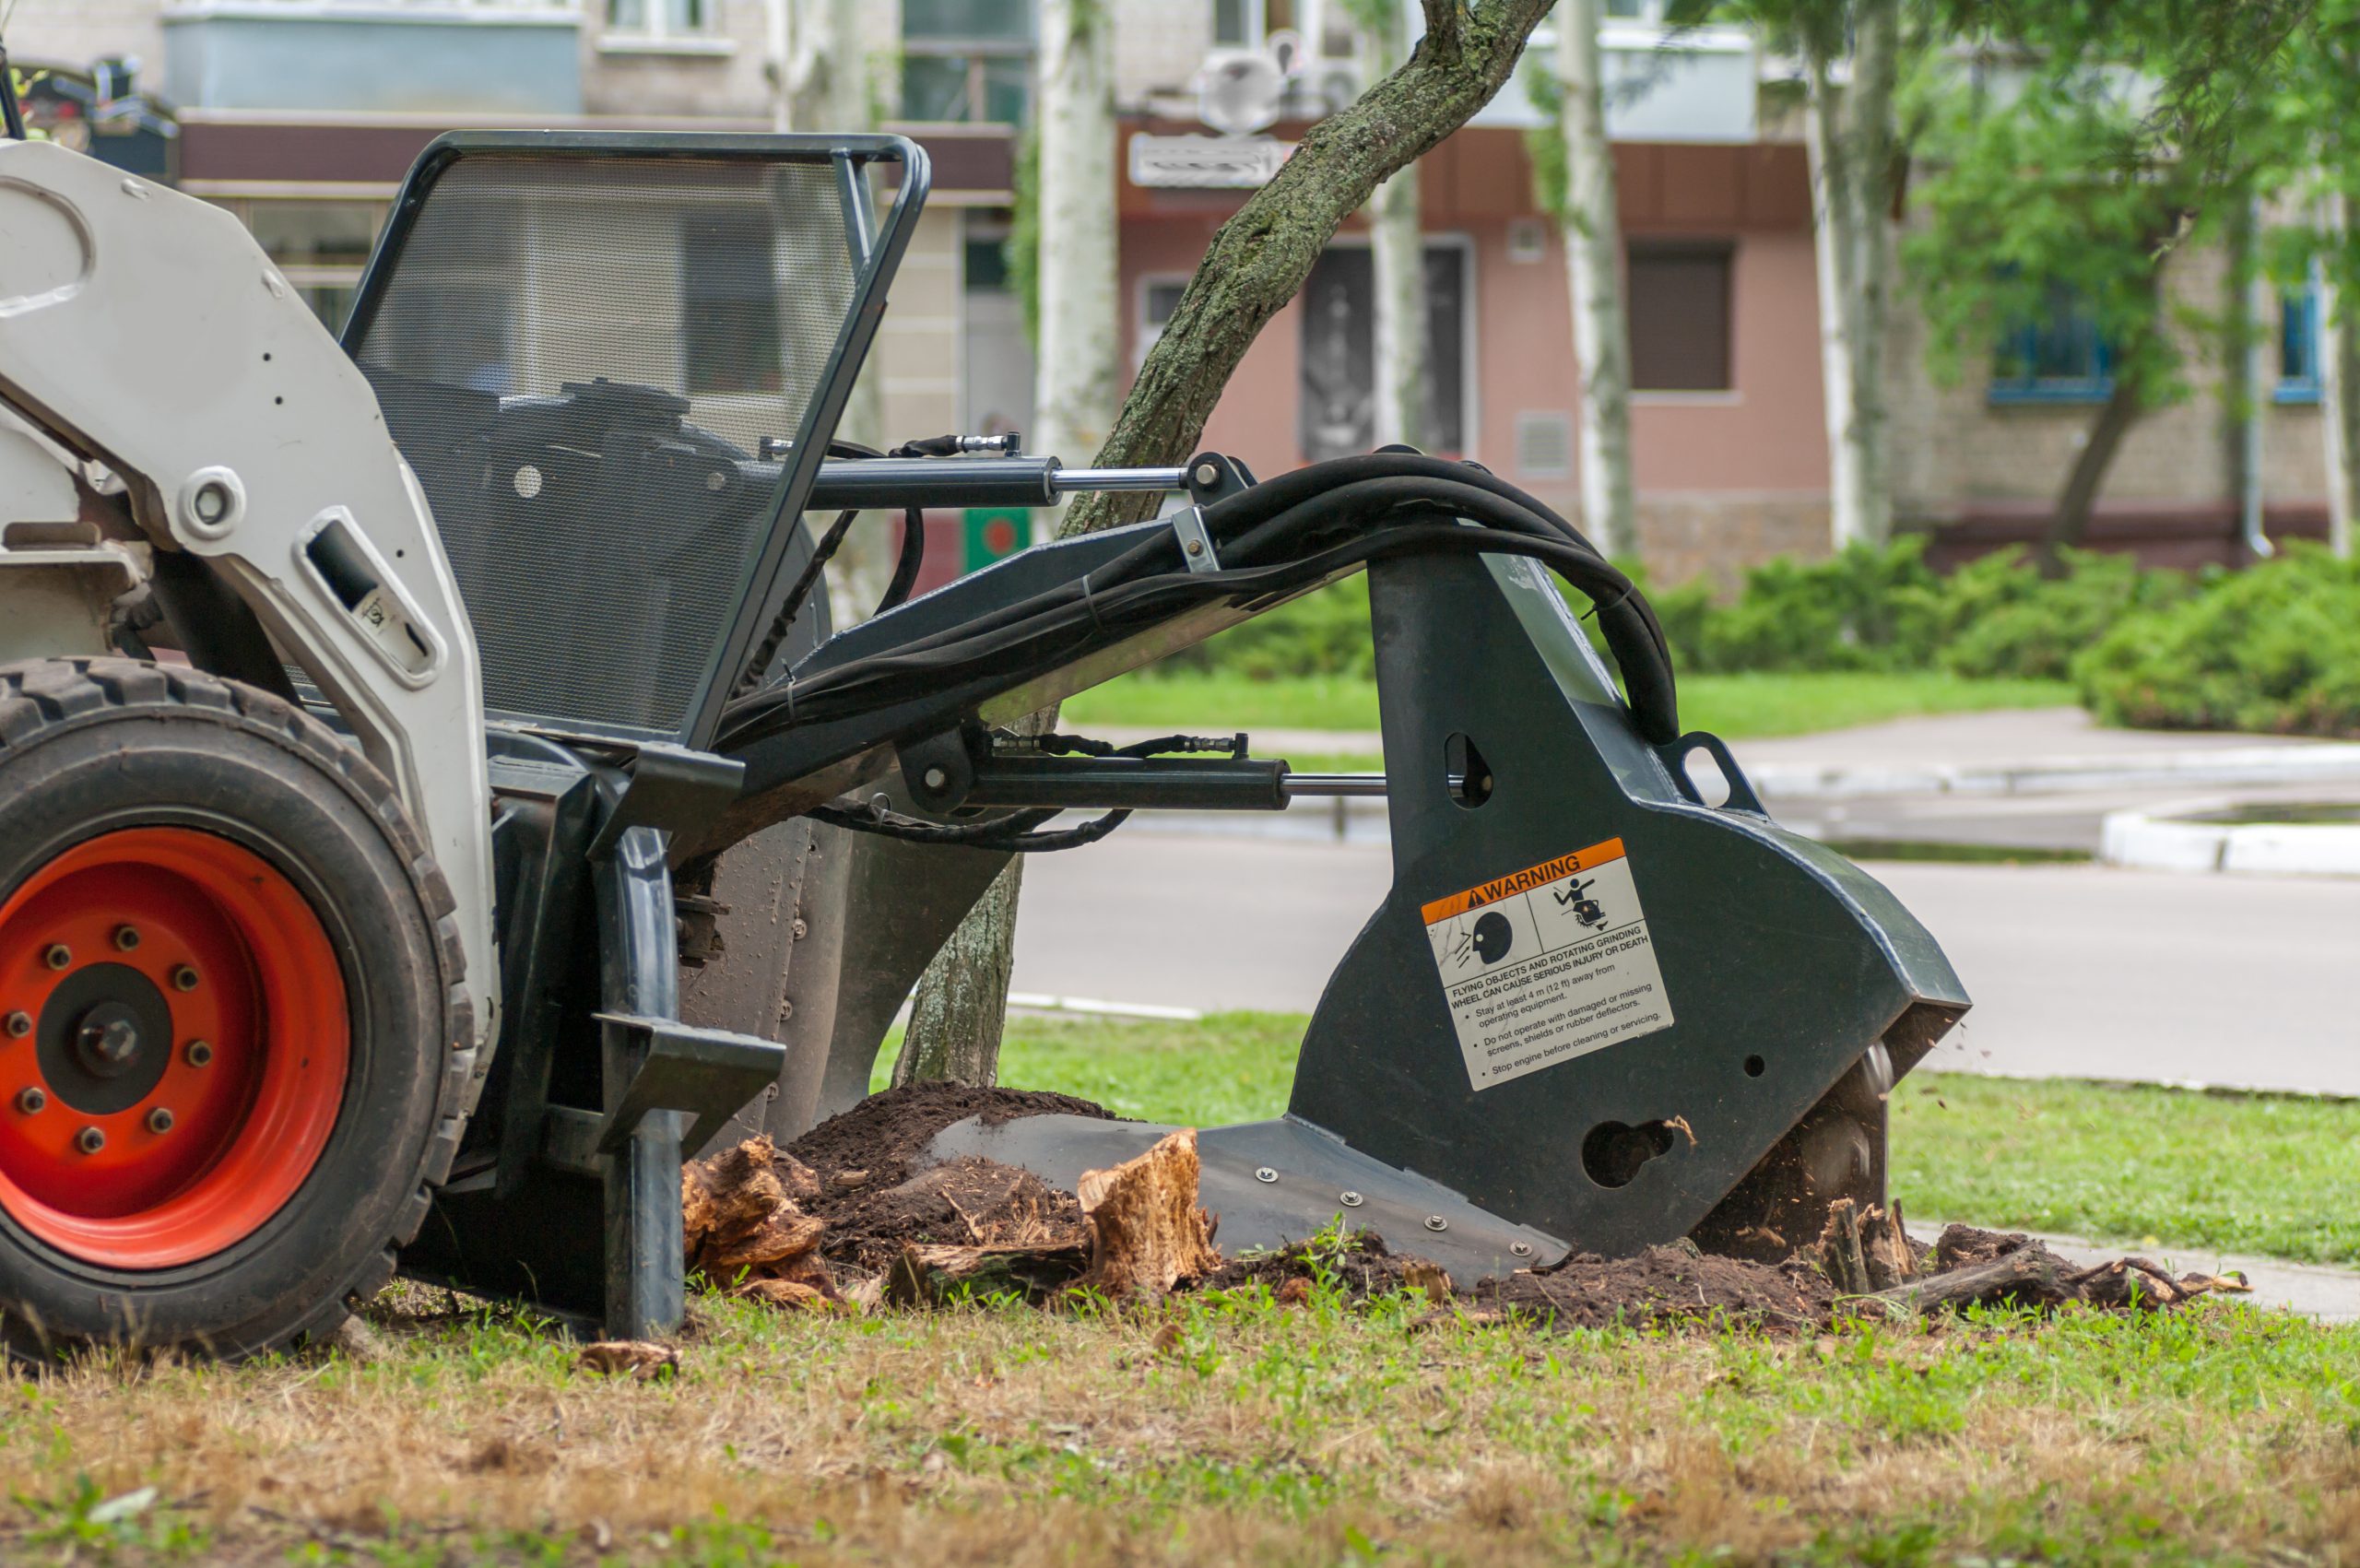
x: 2005, y: 618
x: 1023, y: 247
x: 1862, y: 609
x: 1325, y: 633
x: 2045, y: 196
x: 2275, y: 648
x: 1544, y: 144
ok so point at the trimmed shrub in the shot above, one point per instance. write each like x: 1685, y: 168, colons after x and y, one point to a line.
x: 2275, y: 648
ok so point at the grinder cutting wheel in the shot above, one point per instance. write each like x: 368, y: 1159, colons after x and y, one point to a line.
x: 376, y: 811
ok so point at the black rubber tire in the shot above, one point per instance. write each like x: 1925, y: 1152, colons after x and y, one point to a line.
x: 89, y: 746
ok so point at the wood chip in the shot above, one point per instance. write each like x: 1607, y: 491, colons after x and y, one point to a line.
x: 643, y: 1359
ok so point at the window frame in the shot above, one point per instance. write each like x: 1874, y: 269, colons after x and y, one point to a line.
x: 1471, y: 327
x: 976, y: 51
x: 1728, y: 247
x: 2034, y: 389
x: 656, y: 35
x: 1142, y: 289
x: 2302, y: 388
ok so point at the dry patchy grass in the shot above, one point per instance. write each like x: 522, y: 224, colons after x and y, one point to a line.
x: 1225, y: 1428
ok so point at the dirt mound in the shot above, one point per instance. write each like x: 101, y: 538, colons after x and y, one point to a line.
x: 877, y: 1198
x: 1662, y: 1284
x: 968, y: 1202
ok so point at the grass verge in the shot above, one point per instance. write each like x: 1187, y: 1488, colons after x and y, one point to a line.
x: 1226, y: 1427
x: 2255, y: 1173
x: 1222, y: 1428
x: 1733, y: 706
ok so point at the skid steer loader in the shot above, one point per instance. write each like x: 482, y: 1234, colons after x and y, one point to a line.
x: 432, y: 801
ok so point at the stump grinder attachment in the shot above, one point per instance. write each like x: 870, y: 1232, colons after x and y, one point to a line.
x: 432, y: 802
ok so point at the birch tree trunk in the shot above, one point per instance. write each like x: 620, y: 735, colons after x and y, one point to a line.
x: 1849, y: 136
x: 961, y: 1008
x: 1257, y: 263
x: 2339, y: 389
x: 1398, y: 250
x: 823, y: 62
x: 1593, y: 236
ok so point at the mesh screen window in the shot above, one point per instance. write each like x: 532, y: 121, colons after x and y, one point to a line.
x: 580, y: 357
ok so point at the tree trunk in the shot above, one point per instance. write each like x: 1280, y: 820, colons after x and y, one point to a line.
x: 1593, y: 235
x: 1257, y: 263
x: 2339, y: 390
x: 1259, y: 258
x: 1397, y: 248
x: 2069, y: 523
x: 961, y: 1008
x: 961, y: 1001
x: 822, y: 62
x: 1848, y: 135
x: 1075, y: 400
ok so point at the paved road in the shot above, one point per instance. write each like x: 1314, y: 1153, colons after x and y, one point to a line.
x: 2077, y: 970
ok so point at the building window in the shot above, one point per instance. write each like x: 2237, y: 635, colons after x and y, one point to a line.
x: 1159, y: 297
x: 320, y: 246
x: 2298, y: 346
x: 660, y: 18
x: 2059, y: 357
x: 1679, y: 315
x: 1338, y: 397
x: 967, y: 60
x: 729, y: 321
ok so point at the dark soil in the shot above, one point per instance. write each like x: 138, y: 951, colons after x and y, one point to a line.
x: 1662, y: 1284
x: 875, y: 1197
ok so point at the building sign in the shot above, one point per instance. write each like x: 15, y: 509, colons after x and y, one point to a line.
x: 1201, y: 162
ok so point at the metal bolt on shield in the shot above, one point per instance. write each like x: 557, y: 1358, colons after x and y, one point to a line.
x: 1436, y: 1222
x: 1266, y: 1175
x: 1348, y: 1199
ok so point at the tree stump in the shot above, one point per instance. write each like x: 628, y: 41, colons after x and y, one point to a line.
x: 1146, y: 1231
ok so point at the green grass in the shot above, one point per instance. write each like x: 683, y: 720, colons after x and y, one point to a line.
x: 1226, y: 1427
x: 1215, y: 1428
x: 1733, y: 706
x: 2258, y: 1174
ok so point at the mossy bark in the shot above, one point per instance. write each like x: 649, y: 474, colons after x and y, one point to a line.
x: 1257, y: 263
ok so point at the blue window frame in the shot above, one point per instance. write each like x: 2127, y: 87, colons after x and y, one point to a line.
x: 2298, y: 346
x: 2059, y: 357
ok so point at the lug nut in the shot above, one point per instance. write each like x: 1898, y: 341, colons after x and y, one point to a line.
x: 90, y: 1140
x: 126, y: 938
x: 159, y: 1120
x: 200, y: 1054
x: 58, y: 955
x: 32, y: 1101
x: 185, y: 978
x: 18, y: 1025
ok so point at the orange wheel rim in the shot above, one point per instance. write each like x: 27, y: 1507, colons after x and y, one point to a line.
x: 174, y: 1041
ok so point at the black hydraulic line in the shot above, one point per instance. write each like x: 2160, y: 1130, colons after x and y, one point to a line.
x: 1630, y: 628
x: 12, y: 113
x: 907, y: 566
x: 1063, y: 630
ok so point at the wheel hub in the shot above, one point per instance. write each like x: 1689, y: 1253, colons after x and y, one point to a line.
x: 105, y: 1038
x: 108, y: 1040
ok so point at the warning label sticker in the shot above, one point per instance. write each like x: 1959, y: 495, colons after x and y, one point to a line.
x: 1549, y: 963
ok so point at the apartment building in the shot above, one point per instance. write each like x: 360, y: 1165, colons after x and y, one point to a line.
x: 302, y: 115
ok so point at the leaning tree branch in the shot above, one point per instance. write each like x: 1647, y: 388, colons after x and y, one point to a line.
x: 1260, y: 257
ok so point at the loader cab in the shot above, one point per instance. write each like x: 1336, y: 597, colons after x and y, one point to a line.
x: 614, y: 362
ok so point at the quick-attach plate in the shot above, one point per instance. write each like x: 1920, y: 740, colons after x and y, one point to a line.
x: 1313, y: 1179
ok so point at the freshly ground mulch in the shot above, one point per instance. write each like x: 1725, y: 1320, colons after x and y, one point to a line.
x: 864, y: 1176
x: 877, y: 1195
